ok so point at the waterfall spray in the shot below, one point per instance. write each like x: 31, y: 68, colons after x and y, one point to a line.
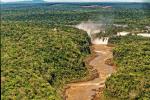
x: 93, y: 28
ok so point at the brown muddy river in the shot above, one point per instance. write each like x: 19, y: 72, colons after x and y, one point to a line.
x: 88, y: 89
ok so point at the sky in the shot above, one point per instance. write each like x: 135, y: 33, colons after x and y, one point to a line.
x: 82, y: 0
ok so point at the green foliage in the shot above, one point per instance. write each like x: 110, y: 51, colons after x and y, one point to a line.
x: 132, y: 58
x: 37, y: 60
x: 41, y: 52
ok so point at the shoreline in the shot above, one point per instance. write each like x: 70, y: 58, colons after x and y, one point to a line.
x: 94, y: 75
x: 89, y: 68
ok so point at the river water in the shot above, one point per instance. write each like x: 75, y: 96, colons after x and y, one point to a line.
x: 87, y: 90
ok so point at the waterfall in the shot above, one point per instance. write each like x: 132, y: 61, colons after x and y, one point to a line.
x: 102, y: 40
x: 92, y: 29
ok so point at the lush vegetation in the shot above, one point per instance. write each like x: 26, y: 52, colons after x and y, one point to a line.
x: 35, y: 60
x: 41, y: 51
x: 132, y: 58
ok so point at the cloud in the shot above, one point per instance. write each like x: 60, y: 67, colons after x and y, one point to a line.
x: 14, y: 0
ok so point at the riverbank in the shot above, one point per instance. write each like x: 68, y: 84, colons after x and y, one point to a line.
x: 88, y: 90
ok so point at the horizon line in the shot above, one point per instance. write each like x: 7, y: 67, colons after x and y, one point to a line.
x: 77, y: 2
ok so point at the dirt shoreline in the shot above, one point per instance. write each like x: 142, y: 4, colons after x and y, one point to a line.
x: 89, y: 77
x: 89, y: 88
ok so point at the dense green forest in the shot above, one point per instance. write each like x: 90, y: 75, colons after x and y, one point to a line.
x: 40, y: 51
x: 132, y: 58
x: 35, y: 59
